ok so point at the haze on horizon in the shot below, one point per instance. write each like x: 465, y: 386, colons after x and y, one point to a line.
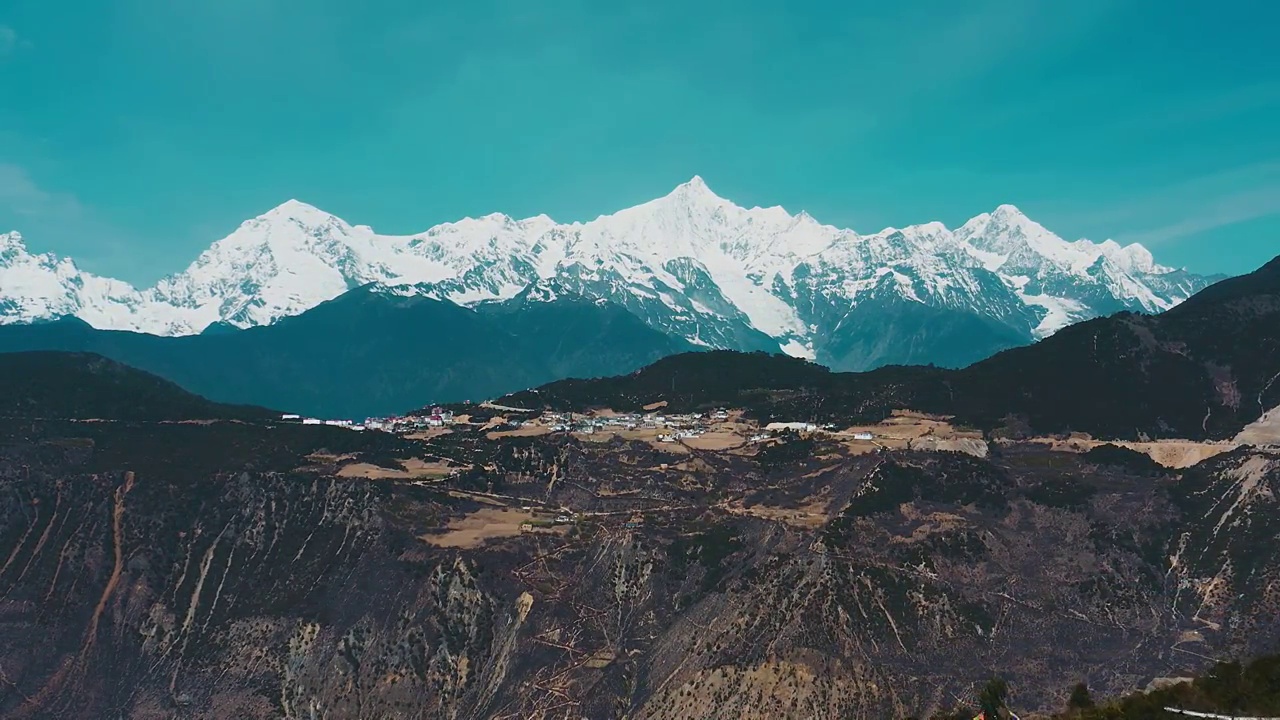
x: 135, y: 133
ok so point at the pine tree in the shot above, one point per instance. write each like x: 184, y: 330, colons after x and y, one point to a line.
x: 992, y: 698
x: 1080, y: 698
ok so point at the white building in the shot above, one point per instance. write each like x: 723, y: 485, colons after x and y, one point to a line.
x: 798, y: 426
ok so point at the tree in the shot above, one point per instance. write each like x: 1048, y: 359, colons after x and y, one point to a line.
x: 992, y: 698
x: 1080, y: 698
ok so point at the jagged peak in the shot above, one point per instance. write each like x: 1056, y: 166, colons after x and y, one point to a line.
x: 1133, y: 257
x: 294, y: 209
x: 14, y: 247
x: 695, y: 182
x: 12, y: 241
x: 1005, y: 214
x: 695, y: 188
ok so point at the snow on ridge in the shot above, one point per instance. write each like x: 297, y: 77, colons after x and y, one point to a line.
x: 689, y: 242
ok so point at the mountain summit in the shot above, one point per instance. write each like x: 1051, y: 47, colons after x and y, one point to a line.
x: 691, y: 264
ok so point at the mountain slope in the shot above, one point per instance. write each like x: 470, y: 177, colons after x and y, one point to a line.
x: 690, y: 264
x: 89, y: 387
x: 1203, y: 369
x: 246, y: 576
x: 374, y: 352
x: 577, y: 337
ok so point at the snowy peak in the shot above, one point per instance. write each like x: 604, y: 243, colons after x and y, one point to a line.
x: 13, y: 251
x: 691, y: 203
x: 1007, y: 239
x: 695, y: 190
x: 689, y: 263
x: 297, y: 211
x: 41, y: 287
x: 1006, y: 231
x: 11, y: 243
x: 1132, y: 258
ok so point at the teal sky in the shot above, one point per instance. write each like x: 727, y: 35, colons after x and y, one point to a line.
x: 135, y: 132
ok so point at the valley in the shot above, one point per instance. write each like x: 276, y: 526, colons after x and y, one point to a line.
x: 718, y: 534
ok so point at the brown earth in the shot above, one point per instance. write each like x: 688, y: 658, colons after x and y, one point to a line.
x: 715, y: 440
x: 1263, y: 431
x: 472, y: 530
x: 414, y: 468
x: 429, y: 433
x: 1176, y: 454
x: 522, y: 431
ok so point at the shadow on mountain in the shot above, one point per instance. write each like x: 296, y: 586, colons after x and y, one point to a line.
x: 370, y: 352
x: 902, y: 332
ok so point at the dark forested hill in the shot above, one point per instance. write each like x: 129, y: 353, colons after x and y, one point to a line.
x: 89, y: 386
x: 369, y: 352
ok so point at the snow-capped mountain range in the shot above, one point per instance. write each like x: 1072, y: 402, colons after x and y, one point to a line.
x: 691, y: 264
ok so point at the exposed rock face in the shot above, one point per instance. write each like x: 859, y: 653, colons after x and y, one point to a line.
x: 141, y: 579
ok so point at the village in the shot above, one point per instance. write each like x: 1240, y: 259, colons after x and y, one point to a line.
x: 718, y: 429
x: 677, y: 435
x: 666, y: 428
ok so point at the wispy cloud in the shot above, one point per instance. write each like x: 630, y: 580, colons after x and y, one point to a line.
x: 11, y: 42
x: 1206, y: 203
x: 55, y: 220
x: 8, y: 41
x: 1218, y: 212
x: 20, y: 196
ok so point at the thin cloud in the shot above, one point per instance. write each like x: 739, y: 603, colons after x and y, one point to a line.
x: 1197, y: 205
x: 55, y: 220
x: 22, y: 197
x: 8, y: 40
x: 1243, y: 206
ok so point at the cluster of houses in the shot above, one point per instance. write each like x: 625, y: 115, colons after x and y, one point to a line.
x: 676, y: 426
x: 348, y: 424
x: 680, y: 425
x: 809, y: 427
x: 437, y: 417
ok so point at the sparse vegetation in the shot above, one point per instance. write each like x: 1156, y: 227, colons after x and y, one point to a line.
x: 1232, y: 688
